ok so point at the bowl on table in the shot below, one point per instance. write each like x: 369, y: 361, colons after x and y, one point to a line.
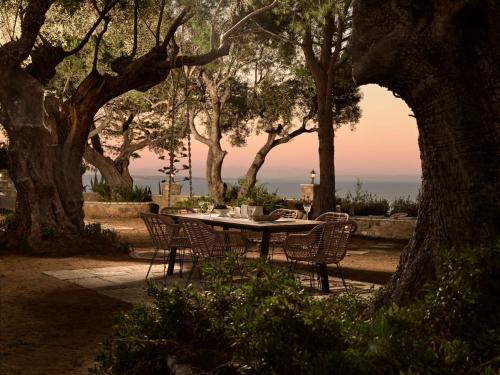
x: 222, y: 211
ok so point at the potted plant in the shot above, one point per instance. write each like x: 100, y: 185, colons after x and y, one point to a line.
x: 251, y: 207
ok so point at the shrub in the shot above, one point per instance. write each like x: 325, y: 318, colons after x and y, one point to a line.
x: 91, y: 240
x: 267, y: 325
x: 257, y: 196
x: 363, y: 203
x: 121, y: 194
x: 134, y: 194
x: 198, y: 202
x: 406, y: 205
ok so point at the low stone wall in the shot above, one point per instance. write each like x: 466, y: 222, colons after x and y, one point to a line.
x: 90, y: 196
x: 162, y: 200
x: 97, y: 210
x: 382, y: 227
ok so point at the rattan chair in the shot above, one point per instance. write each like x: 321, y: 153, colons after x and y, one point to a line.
x: 164, y: 233
x: 208, y: 244
x: 277, y: 240
x: 324, y: 244
x: 332, y: 216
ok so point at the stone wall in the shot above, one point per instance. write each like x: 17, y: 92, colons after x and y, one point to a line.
x: 8, y: 192
x: 99, y: 210
x: 176, y: 196
x: 381, y: 227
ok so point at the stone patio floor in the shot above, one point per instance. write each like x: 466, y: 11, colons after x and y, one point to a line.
x: 126, y: 283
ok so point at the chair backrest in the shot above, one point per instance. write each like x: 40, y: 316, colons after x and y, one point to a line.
x: 329, y: 240
x: 286, y: 213
x: 175, y: 210
x: 333, y: 216
x: 201, y: 237
x: 161, y: 229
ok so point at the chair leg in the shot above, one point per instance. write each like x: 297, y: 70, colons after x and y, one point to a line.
x: 164, y: 268
x: 195, y: 264
x: 342, y: 276
x: 151, y: 264
x: 181, y: 260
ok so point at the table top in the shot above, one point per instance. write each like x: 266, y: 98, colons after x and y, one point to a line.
x: 280, y: 225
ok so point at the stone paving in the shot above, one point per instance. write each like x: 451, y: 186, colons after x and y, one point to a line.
x: 126, y: 283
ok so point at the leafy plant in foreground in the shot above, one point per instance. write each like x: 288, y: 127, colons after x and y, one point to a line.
x: 268, y: 325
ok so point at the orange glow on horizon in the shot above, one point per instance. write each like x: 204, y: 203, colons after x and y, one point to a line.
x: 384, y: 143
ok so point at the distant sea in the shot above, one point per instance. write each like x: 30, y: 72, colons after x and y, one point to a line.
x: 385, y: 187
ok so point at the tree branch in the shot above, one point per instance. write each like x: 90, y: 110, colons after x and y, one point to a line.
x: 98, y: 43
x: 307, y: 48
x: 178, y: 21
x: 158, y: 24
x: 15, y: 52
x: 240, y: 23
x: 84, y: 41
x: 212, y: 27
x: 136, y: 12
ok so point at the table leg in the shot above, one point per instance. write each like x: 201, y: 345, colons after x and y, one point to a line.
x: 264, y: 244
x: 323, y: 273
x: 171, y: 261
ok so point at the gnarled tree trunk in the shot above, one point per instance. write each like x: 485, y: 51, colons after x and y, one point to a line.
x: 115, y: 172
x: 442, y: 59
x: 46, y: 172
x: 216, y: 187
x: 250, y: 178
x: 272, y: 141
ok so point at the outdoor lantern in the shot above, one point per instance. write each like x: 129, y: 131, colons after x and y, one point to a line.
x: 313, y: 174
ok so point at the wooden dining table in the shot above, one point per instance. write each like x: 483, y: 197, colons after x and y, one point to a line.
x: 283, y: 225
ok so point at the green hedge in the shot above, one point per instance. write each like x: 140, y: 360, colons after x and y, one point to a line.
x: 268, y: 325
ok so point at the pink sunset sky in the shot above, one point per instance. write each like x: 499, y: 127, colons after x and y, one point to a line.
x: 383, y: 144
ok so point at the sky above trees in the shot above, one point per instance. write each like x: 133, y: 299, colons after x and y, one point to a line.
x: 384, y: 143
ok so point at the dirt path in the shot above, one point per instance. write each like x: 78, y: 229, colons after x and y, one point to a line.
x: 49, y: 326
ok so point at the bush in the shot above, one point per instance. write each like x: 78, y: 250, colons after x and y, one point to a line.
x: 406, y: 205
x: 363, y: 203
x: 198, y: 202
x: 135, y: 194
x: 267, y: 325
x: 91, y: 240
x: 121, y: 194
x: 257, y: 196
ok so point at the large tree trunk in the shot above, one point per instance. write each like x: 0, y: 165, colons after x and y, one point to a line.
x: 115, y: 172
x: 216, y: 187
x: 46, y: 172
x: 444, y: 63
x: 250, y: 178
x: 326, y: 160
x: 49, y: 186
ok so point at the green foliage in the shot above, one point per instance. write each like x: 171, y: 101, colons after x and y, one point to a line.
x: 198, y: 202
x: 267, y: 325
x: 406, y: 205
x: 101, y: 187
x: 134, y: 194
x: 257, y: 196
x: 120, y: 194
x: 103, y: 240
x: 363, y: 203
